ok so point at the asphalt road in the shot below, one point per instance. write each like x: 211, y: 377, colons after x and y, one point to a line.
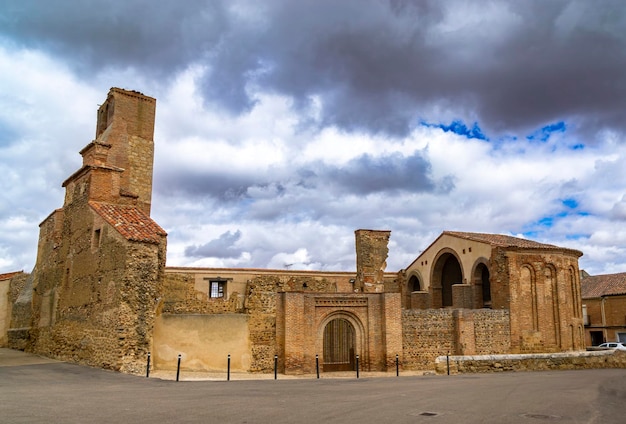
x: 43, y: 391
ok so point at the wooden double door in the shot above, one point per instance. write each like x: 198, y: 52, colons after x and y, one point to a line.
x: 339, y: 346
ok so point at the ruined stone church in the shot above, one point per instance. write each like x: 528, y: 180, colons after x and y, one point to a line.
x: 101, y: 293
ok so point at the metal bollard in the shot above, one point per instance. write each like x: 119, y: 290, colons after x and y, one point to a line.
x: 148, y: 366
x: 178, y: 368
x: 357, y: 366
x: 275, y: 367
x: 448, y: 363
x: 397, y: 366
x: 317, y: 365
x: 228, y: 375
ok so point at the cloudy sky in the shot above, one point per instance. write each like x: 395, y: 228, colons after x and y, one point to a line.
x: 283, y: 126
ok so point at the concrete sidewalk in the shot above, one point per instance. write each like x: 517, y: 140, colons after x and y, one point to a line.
x: 14, y: 358
x: 238, y: 376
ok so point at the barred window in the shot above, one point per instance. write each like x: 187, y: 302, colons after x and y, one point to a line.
x: 217, y: 289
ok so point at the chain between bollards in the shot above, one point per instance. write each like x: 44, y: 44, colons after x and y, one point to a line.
x: 148, y: 366
x: 178, y: 368
x: 275, y: 367
x: 228, y: 374
x: 317, y: 365
x: 357, y: 366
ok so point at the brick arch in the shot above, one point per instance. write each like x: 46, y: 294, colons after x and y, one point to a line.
x: 446, y: 270
x: 481, y: 279
x: 415, y: 282
x: 552, y: 282
x: 359, y: 329
x: 527, y: 294
x: 573, y: 277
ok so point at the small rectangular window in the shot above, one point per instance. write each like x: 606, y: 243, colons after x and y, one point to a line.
x: 217, y: 289
x: 95, y: 241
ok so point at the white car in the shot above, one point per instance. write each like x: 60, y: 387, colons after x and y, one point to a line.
x: 613, y: 345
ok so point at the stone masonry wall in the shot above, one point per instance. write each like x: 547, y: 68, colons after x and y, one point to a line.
x: 98, y: 307
x: 428, y: 334
x: 180, y: 297
x: 492, y: 331
x: 531, y: 362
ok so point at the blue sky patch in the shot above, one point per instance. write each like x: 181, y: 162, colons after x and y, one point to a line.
x: 459, y: 127
x: 544, y: 133
x: 570, y: 203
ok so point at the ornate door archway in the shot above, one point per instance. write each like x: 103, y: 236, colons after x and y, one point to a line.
x: 339, y: 345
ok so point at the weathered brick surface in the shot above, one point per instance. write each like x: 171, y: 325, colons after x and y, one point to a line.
x: 372, y: 251
x: 180, y: 297
x: 98, y: 277
x: 428, y: 334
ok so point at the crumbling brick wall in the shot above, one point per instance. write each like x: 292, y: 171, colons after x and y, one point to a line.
x: 371, y: 259
x: 181, y: 297
x: 427, y: 334
x: 260, y: 305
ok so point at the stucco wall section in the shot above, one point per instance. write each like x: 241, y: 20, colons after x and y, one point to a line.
x: 203, y: 341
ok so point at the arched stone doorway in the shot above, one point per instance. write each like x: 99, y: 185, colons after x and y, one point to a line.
x: 446, y: 273
x: 414, y: 284
x: 339, y: 345
x: 481, y: 279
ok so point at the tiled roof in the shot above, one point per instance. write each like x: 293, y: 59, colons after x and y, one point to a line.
x: 130, y: 222
x: 603, y: 285
x: 9, y: 275
x: 502, y: 240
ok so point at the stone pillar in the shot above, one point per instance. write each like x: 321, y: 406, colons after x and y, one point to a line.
x: 420, y: 300
x: 462, y: 296
x: 371, y: 260
x: 294, y: 332
x: 392, y: 328
x: 465, y: 334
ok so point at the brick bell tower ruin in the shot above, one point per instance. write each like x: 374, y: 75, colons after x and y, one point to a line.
x: 371, y: 260
x: 100, y: 261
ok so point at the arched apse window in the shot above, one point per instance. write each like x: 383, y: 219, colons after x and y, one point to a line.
x: 448, y: 272
x: 414, y: 284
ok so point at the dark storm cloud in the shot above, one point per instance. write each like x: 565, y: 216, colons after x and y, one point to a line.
x: 157, y: 38
x: 221, y: 247
x: 379, y: 66
x: 364, y: 175
x: 367, y: 174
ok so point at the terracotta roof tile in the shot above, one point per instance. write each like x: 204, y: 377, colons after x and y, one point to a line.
x: 130, y: 222
x: 502, y: 240
x: 603, y: 285
x: 8, y: 275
